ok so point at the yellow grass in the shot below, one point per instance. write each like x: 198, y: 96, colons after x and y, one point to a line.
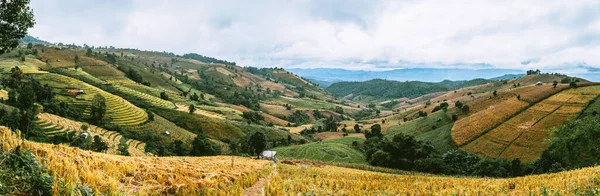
x: 467, y: 129
x: 199, y: 111
x: 329, y: 180
x: 118, y: 175
x: 524, y: 135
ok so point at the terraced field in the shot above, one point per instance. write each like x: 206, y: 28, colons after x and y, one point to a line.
x: 334, y: 150
x: 28, y: 67
x: 149, y: 98
x: 160, y: 125
x: 523, y: 136
x: 119, y: 111
x: 54, y: 125
x: 475, y: 125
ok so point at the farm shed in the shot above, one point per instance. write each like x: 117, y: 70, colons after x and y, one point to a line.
x: 268, y: 155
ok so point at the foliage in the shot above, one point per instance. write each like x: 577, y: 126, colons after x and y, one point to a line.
x: 401, y: 152
x: 164, y: 95
x: 16, y: 17
x: 97, y: 109
x: 257, y: 143
x: 573, y: 145
x: 201, y: 146
x: 206, y: 59
x: 22, y: 174
x: 385, y: 89
x: 253, y: 117
x: 299, y: 117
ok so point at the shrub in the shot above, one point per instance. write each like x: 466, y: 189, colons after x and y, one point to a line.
x: 22, y: 174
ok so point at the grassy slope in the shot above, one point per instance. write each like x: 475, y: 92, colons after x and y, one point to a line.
x: 335, y: 150
x: 434, y: 128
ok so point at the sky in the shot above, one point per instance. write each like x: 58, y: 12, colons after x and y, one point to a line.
x: 554, y: 36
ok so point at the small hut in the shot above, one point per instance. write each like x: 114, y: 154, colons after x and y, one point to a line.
x: 268, y: 155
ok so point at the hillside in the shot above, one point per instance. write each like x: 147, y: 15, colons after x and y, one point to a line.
x: 381, y: 90
x: 384, y: 89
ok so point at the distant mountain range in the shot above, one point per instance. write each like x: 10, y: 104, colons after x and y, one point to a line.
x: 416, y: 74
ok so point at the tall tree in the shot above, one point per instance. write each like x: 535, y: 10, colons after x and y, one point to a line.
x: 15, y: 18
x: 98, y: 109
x: 192, y: 108
x: 258, y: 143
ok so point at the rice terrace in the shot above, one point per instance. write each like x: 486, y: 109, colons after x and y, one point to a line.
x: 299, y: 98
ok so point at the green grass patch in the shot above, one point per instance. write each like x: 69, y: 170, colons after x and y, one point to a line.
x: 435, y: 128
x: 335, y: 150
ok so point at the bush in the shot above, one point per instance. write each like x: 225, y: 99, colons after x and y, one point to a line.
x: 202, y: 146
x: 22, y: 174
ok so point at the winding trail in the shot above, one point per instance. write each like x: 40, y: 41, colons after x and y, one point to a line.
x: 259, y: 187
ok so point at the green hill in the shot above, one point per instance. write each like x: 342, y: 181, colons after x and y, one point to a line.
x: 334, y: 150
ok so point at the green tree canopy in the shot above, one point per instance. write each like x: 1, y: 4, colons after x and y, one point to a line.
x: 98, y: 109
x: 258, y: 143
x: 15, y: 18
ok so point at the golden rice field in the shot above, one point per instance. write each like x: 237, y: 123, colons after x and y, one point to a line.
x: 30, y: 66
x: 200, y: 111
x: 523, y: 136
x: 54, y: 125
x: 119, y: 111
x: 330, y: 180
x: 149, y: 98
x: 118, y: 175
x: 473, y: 126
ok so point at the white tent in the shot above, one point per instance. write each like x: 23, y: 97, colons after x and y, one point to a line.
x: 268, y: 155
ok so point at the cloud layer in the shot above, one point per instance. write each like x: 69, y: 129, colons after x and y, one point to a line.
x: 549, y: 35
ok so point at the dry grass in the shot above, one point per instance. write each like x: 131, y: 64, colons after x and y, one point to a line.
x: 533, y: 94
x: 199, y: 111
x: 118, y: 175
x: 471, y: 127
x: 276, y: 110
x: 102, y: 70
x: 330, y: 180
x: 524, y: 135
x: 272, y: 119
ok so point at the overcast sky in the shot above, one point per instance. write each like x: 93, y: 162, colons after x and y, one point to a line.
x: 372, y: 35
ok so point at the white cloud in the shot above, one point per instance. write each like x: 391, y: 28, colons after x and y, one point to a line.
x: 343, y: 34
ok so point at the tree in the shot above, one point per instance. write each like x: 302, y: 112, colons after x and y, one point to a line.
x: 495, y: 93
x: 179, y: 148
x: 163, y: 95
x: 554, y: 83
x: 123, y: 147
x: 202, y: 146
x: 15, y: 18
x: 458, y: 104
x: 98, y: 109
x: 465, y: 109
x: 98, y: 145
x: 76, y: 60
x: 150, y: 115
x: 257, y: 143
x: 192, y: 108
x: 89, y: 52
x: 376, y: 131
x: 573, y: 84
x: 356, y: 128
x: 29, y: 45
x: 26, y: 97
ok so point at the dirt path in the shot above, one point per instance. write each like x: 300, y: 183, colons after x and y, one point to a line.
x: 259, y: 187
